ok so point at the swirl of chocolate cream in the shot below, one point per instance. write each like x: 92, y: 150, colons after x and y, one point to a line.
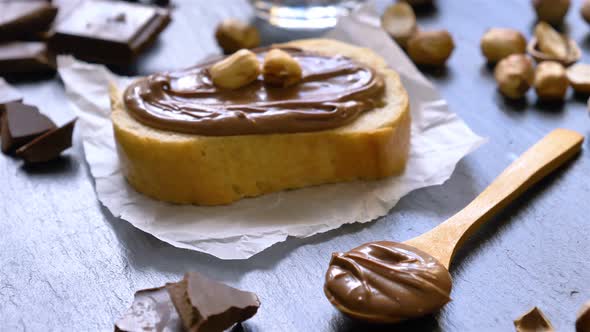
x: 333, y: 92
x: 387, y: 282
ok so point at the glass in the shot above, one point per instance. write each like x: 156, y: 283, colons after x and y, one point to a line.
x: 303, y: 14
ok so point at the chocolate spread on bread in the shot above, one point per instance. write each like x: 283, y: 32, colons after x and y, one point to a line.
x: 333, y: 92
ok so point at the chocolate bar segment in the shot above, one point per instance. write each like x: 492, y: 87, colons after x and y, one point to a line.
x: 583, y: 318
x: 107, y: 31
x: 205, y: 305
x: 47, y: 146
x: 25, y: 57
x: 152, y: 310
x: 8, y: 94
x: 22, y: 19
x: 21, y: 124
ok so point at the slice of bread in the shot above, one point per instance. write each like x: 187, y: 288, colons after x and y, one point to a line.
x: 212, y: 170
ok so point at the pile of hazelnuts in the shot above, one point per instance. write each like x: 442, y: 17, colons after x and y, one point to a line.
x: 554, y: 53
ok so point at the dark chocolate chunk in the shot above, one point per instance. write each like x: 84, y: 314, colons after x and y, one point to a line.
x: 583, y: 318
x: 25, y: 57
x: 47, y: 146
x: 21, y: 124
x: 21, y: 19
x: 8, y: 94
x: 533, y: 321
x: 107, y: 31
x: 205, y: 305
x: 152, y: 311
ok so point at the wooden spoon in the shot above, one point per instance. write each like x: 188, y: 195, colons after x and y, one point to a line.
x: 388, y: 282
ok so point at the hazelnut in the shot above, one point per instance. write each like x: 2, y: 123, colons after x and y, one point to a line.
x: 236, y: 70
x: 431, y: 48
x: 550, y: 81
x: 498, y: 43
x: 514, y: 75
x: 399, y: 21
x: 578, y: 76
x: 280, y: 69
x: 551, y: 42
x: 551, y: 11
x: 233, y: 35
x: 585, y: 10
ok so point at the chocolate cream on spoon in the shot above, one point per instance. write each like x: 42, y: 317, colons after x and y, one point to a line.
x: 387, y: 282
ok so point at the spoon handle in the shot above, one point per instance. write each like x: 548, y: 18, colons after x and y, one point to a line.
x: 544, y: 157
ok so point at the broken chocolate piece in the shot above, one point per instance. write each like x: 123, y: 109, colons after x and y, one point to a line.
x: 21, y: 19
x: 533, y: 321
x: 8, y: 94
x: 583, y: 319
x: 205, y: 305
x: 152, y: 310
x: 107, y: 31
x: 47, y: 146
x: 25, y: 57
x: 21, y: 124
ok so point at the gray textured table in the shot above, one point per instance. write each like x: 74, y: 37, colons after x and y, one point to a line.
x: 67, y: 265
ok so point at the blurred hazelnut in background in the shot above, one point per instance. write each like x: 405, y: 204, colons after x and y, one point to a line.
x: 431, y: 48
x: 498, y: 43
x: 550, y: 81
x: 551, y: 11
x: 514, y: 75
x: 399, y: 21
x: 233, y: 35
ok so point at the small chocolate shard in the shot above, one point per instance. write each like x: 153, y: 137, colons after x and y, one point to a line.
x: 47, y: 146
x: 583, y: 319
x: 8, y: 94
x: 25, y: 57
x: 205, y: 305
x: 23, y: 19
x: 533, y: 321
x: 151, y: 311
x: 21, y: 124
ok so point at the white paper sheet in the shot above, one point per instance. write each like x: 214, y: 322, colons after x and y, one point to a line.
x: 439, y: 140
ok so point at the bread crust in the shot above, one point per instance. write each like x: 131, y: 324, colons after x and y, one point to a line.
x: 213, y: 170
